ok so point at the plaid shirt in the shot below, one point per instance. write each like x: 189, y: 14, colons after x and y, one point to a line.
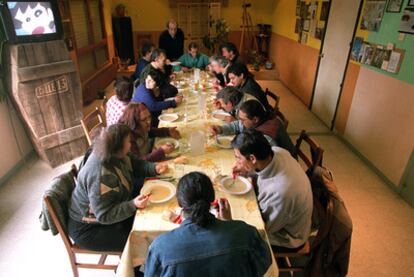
x: 114, y: 110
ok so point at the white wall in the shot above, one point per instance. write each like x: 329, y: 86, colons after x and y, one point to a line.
x: 9, y: 152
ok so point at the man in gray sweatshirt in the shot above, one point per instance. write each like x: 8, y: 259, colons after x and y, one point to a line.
x: 284, y: 190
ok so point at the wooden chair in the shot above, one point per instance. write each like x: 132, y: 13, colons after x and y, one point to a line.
x: 72, y: 248
x: 91, y: 124
x: 271, y: 97
x: 282, y: 117
x: 316, y: 152
x: 323, y: 207
x: 103, y: 108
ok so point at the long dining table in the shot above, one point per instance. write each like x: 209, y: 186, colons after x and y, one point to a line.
x: 195, y: 115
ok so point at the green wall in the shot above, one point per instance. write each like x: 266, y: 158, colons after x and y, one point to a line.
x: 389, y: 33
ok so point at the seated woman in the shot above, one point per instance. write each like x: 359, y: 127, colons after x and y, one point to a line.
x: 118, y: 102
x: 148, y: 92
x: 103, y: 207
x: 138, y: 118
x: 204, y: 245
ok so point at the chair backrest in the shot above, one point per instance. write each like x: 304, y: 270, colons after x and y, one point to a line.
x: 272, y: 98
x: 282, y: 117
x: 63, y: 186
x: 91, y: 123
x: 316, y: 152
x: 103, y: 108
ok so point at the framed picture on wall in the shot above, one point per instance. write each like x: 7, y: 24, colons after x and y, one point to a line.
x: 407, y: 21
x: 410, y: 3
x: 324, y: 11
x: 372, y: 15
x: 394, y: 6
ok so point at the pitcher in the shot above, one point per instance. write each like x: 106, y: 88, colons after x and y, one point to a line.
x: 197, y: 141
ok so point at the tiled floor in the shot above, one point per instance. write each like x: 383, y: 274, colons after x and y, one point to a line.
x: 382, y: 243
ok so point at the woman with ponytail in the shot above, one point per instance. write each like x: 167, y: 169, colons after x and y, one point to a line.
x: 204, y: 245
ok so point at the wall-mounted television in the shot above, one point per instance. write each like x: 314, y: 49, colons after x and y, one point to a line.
x: 30, y: 21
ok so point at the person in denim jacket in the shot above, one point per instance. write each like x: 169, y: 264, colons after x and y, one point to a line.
x: 204, y: 245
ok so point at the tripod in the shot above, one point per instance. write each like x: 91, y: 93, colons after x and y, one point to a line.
x: 247, y: 34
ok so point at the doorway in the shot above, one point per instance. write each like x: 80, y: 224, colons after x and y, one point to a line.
x: 343, y: 17
x: 407, y: 184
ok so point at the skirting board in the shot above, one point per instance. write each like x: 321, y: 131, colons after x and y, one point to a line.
x: 16, y: 168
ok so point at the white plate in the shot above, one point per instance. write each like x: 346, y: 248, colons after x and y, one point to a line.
x: 162, y: 141
x: 220, y: 115
x: 168, y: 117
x: 224, y: 141
x: 175, y: 63
x: 161, y: 191
x: 241, y: 186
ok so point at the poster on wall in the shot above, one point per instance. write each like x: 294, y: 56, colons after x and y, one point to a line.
x: 356, y: 48
x: 381, y: 57
x: 407, y: 21
x: 372, y: 15
x: 394, y: 6
x: 324, y: 11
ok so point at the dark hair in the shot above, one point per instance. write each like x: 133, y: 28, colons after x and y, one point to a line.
x: 252, y: 142
x: 146, y: 48
x: 238, y: 69
x: 230, y: 94
x: 192, y: 45
x: 110, y: 141
x: 253, y: 108
x: 156, y: 76
x: 220, y: 59
x: 195, y: 193
x: 124, y: 87
x: 156, y: 53
x: 230, y: 47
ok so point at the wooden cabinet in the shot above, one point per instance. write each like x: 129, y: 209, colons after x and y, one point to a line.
x: 86, y: 39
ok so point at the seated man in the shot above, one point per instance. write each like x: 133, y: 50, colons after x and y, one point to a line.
x: 204, y: 245
x: 230, y: 100
x: 218, y: 66
x: 172, y: 41
x: 251, y: 115
x: 160, y: 64
x: 146, y: 52
x: 284, y: 191
x: 241, y: 78
x: 193, y: 59
x: 230, y: 52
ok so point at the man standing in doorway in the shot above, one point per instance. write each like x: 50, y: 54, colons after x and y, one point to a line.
x: 172, y: 41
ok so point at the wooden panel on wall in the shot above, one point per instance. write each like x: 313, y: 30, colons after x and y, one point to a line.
x: 296, y: 64
x: 98, y: 82
x: 380, y: 123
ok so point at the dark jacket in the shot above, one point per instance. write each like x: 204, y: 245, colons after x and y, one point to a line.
x: 173, y: 46
x: 222, y: 248
x: 142, y: 63
x: 332, y: 246
x: 250, y: 86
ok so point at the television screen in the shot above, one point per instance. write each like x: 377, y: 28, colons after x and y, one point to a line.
x: 32, y: 18
x: 31, y: 21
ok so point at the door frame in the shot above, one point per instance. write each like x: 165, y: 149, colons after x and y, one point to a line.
x: 361, y: 4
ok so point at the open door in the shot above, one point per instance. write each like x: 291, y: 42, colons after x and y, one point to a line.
x: 343, y: 17
x: 407, y: 184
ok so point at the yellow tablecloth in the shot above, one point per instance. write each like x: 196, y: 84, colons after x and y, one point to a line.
x: 149, y: 223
